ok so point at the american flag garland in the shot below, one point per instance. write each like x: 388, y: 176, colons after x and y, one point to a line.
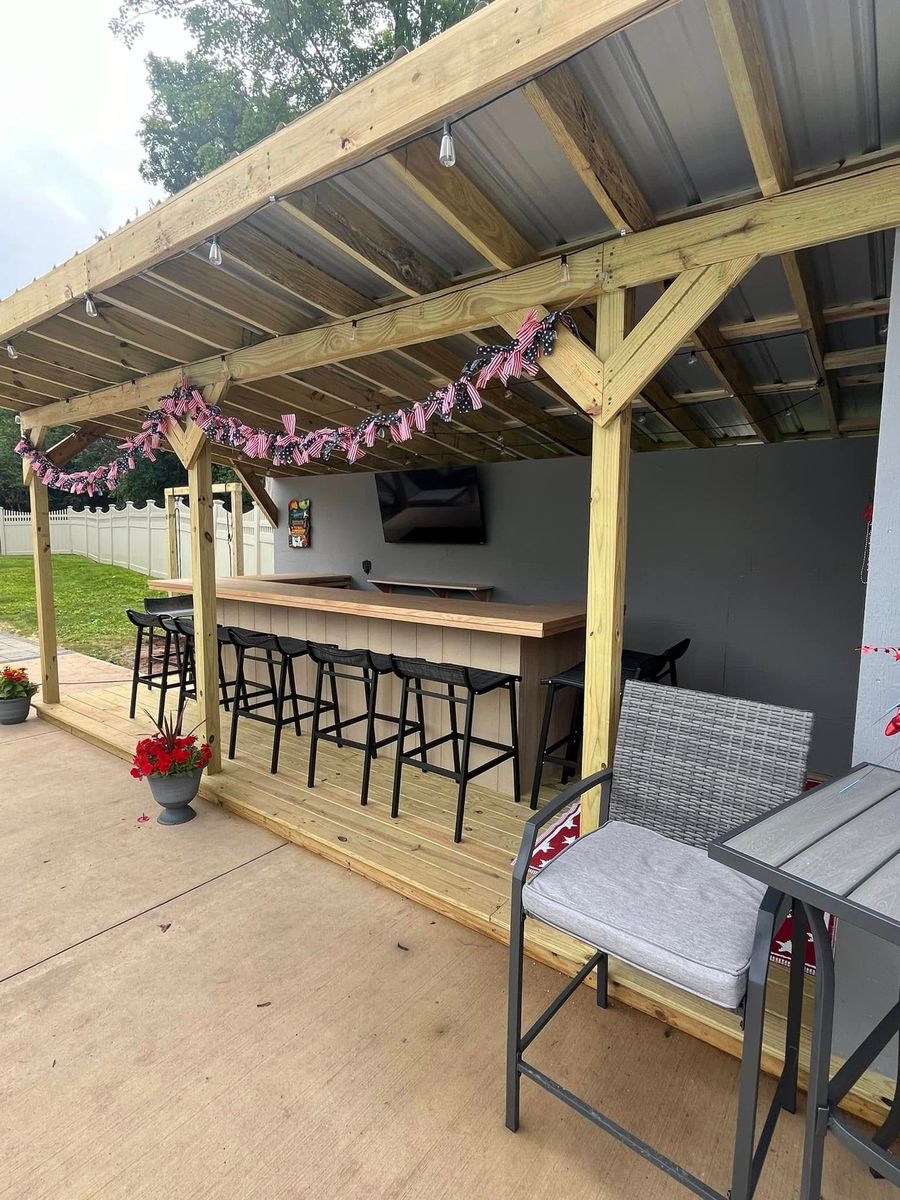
x: 534, y: 340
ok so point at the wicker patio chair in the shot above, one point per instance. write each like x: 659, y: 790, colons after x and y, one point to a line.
x: 687, y: 767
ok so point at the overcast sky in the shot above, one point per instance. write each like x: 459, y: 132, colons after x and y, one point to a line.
x: 71, y: 98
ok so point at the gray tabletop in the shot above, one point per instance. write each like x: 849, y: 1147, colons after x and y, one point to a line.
x: 836, y: 847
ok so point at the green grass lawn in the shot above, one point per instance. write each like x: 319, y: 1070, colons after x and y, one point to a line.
x: 91, y: 599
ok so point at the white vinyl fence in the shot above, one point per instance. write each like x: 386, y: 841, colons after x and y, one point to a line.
x: 136, y: 538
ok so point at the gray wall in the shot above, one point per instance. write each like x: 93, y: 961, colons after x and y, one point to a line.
x: 754, y: 553
x: 867, y: 969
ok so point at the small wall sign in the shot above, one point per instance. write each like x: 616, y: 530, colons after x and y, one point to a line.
x: 299, y: 531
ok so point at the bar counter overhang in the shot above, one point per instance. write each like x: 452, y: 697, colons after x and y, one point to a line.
x: 528, y: 640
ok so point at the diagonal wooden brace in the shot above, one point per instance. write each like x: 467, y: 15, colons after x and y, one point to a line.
x: 679, y: 311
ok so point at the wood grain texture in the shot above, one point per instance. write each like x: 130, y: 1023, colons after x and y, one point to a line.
x: 43, y: 582
x: 679, y: 311
x: 519, y: 620
x: 203, y: 572
x: 560, y: 102
x: 607, y: 545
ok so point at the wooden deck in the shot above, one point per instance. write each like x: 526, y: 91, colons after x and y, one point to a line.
x: 415, y: 854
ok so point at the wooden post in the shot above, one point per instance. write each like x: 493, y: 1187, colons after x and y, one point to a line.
x: 236, y: 492
x: 610, y: 454
x: 43, y: 579
x: 203, y: 565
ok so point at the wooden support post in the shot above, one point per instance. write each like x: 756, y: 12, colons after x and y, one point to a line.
x: 203, y: 574
x: 171, y: 533
x: 236, y: 492
x: 610, y: 453
x: 43, y: 579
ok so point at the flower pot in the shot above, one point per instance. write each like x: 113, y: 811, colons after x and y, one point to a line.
x: 14, y: 712
x: 174, y: 794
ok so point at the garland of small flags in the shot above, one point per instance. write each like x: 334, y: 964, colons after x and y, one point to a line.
x: 534, y: 340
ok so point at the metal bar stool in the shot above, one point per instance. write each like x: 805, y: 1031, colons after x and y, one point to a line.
x: 182, y: 630
x: 182, y: 606
x: 273, y: 650
x: 167, y: 674
x: 360, y: 666
x: 473, y: 682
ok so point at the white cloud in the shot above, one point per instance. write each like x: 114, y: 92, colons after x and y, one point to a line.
x: 72, y: 97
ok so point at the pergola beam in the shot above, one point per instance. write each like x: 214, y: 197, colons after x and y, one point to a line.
x: 844, y: 208
x: 497, y: 48
x: 255, y: 485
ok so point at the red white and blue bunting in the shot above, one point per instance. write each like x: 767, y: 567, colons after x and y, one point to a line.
x: 520, y: 356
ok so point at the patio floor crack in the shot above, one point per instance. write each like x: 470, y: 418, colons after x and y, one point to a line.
x: 143, y: 912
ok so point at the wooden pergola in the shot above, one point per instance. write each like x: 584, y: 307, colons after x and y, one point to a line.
x: 277, y: 331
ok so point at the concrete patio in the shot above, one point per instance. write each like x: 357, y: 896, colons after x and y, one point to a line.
x: 181, y: 1021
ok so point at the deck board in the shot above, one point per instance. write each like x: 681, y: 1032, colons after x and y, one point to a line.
x: 415, y: 854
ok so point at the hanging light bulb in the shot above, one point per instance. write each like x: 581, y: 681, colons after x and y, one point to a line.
x: 353, y: 328
x: 447, y: 155
x: 215, y: 251
x: 89, y: 306
x: 11, y: 350
x: 564, y: 274
x: 692, y: 358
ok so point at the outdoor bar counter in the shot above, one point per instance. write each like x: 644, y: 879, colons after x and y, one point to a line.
x: 529, y: 640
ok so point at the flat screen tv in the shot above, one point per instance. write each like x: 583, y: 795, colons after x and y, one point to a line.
x: 441, y: 506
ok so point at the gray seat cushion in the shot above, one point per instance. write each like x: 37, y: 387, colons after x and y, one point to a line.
x: 658, y: 904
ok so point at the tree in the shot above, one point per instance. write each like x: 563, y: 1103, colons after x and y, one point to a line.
x: 260, y: 63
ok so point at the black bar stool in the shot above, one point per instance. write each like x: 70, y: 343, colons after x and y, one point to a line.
x: 275, y: 651
x: 572, y: 677
x: 167, y: 606
x: 162, y: 671
x: 649, y: 668
x: 182, y: 630
x: 473, y: 682
x: 365, y: 667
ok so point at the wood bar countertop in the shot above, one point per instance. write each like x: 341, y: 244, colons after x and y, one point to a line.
x: 516, y: 620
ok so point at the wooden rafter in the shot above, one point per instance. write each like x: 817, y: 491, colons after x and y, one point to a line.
x: 742, y: 49
x: 559, y: 101
x: 844, y: 208
x: 497, y: 48
x: 583, y: 138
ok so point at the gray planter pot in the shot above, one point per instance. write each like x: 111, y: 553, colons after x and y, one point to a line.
x: 174, y: 794
x: 14, y: 712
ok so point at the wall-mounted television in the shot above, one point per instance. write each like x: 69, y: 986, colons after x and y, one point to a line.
x: 440, y: 505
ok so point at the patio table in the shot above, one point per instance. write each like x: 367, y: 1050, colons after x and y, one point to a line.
x: 835, y: 849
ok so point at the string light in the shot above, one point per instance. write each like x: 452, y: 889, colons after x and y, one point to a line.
x: 692, y: 358
x: 353, y: 329
x: 564, y: 273
x: 447, y: 154
x: 11, y: 350
x: 215, y: 251
x: 89, y: 306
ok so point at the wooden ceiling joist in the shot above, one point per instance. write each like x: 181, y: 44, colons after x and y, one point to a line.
x: 742, y: 49
x: 498, y: 48
x: 559, y: 101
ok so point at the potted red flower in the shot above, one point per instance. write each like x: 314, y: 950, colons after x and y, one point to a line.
x: 16, y: 690
x: 172, y: 764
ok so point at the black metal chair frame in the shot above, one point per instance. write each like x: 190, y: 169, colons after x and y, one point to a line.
x: 461, y: 742
x: 328, y: 659
x: 182, y: 629
x: 250, y: 697
x: 147, y: 625
x: 749, y: 1153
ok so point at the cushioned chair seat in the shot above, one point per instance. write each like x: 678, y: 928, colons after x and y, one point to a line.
x: 658, y: 904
